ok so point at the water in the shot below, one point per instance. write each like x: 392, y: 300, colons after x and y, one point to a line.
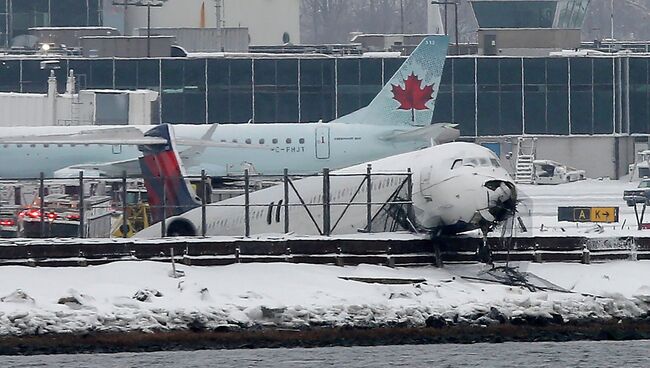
x: 544, y: 354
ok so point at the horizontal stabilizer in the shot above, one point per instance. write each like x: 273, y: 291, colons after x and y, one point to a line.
x: 438, y: 133
x: 110, y: 169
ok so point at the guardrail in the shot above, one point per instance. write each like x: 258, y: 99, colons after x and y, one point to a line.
x: 379, y: 249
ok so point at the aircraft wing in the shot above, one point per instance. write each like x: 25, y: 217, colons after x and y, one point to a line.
x: 129, y: 136
x: 436, y: 133
x: 125, y: 135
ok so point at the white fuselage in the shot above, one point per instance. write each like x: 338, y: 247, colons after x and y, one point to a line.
x: 302, y: 148
x: 447, y: 194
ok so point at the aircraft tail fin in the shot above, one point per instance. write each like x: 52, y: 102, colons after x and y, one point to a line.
x: 409, y: 97
x: 164, y: 176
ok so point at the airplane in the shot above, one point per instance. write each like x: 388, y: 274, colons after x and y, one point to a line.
x: 397, y: 120
x: 455, y: 187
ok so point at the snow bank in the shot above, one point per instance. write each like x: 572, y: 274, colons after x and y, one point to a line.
x: 127, y: 296
x: 539, y: 210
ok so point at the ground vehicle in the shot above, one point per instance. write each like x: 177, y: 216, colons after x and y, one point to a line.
x: 137, y: 213
x: 639, y: 195
x: 8, y: 221
x: 641, y: 167
x: 552, y: 172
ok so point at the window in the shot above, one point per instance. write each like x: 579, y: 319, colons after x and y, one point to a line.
x: 275, y: 141
x: 261, y: 141
x: 270, y: 213
x: 470, y: 162
x: 301, y: 141
x: 277, y: 212
x: 248, y: 141
x: 288, y: 141
x: 234, y: 141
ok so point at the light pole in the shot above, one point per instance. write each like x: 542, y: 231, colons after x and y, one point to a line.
x: 455, y: 4
x: 401, y: 14
x: 611, y: 20
x: 143, y: 3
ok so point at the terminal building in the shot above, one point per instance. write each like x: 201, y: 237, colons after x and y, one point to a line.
x: 588, y: 109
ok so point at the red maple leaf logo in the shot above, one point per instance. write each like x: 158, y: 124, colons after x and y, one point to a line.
x: 412, y: 96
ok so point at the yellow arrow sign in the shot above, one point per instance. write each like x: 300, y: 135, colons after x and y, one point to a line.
x: 604, y: 214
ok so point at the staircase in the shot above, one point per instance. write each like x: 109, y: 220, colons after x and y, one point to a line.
x: 525, y: 157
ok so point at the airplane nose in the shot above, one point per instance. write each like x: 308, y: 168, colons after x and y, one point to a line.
x: 501, y: 200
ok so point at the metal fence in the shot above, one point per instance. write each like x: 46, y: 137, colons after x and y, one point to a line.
x: 81, y: 206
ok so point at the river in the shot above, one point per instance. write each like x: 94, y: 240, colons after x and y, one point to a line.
x: 543, y: 354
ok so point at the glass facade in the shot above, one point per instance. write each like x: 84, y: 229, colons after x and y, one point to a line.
x: 530, y: 13
x: 17, y: 16
x: 486, y: 96
x: 515, y: 14
x: 571, y: 13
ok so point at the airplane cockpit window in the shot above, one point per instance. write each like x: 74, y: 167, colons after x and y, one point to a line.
x: 457, y: 163
x: 484, y: 161
x: 470, y: 162
x: 495, y: 162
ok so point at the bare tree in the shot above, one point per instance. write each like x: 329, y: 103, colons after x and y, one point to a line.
x: 332, y: 21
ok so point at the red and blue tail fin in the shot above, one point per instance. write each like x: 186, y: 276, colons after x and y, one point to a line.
x: 164, y: 176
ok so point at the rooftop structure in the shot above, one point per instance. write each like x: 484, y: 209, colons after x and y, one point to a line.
x: 72, y: 107
x: 564, y: 14
x: 528, y: 27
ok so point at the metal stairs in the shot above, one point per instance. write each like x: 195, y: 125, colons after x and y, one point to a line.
x: 526, y: 151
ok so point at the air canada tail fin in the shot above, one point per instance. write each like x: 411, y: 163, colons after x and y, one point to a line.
x: 409, y: 97
x: 164, y: 176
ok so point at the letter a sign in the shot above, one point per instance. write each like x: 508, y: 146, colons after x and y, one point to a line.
x: 588, y: 214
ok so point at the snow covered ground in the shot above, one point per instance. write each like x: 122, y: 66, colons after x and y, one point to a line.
x: 126, y: 296
x: 540, y: 210
x: 103, y: 298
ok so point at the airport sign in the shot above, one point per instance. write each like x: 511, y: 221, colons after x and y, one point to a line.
x: 588, y: 214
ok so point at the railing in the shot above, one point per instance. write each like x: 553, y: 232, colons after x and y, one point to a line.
x: 397, y: 206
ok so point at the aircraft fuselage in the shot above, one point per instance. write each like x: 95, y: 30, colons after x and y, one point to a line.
x: 266, y: 148
x: 455, y: 187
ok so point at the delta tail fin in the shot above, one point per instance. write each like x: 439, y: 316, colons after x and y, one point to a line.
x: 164, y: 176
x: 409, y: 97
